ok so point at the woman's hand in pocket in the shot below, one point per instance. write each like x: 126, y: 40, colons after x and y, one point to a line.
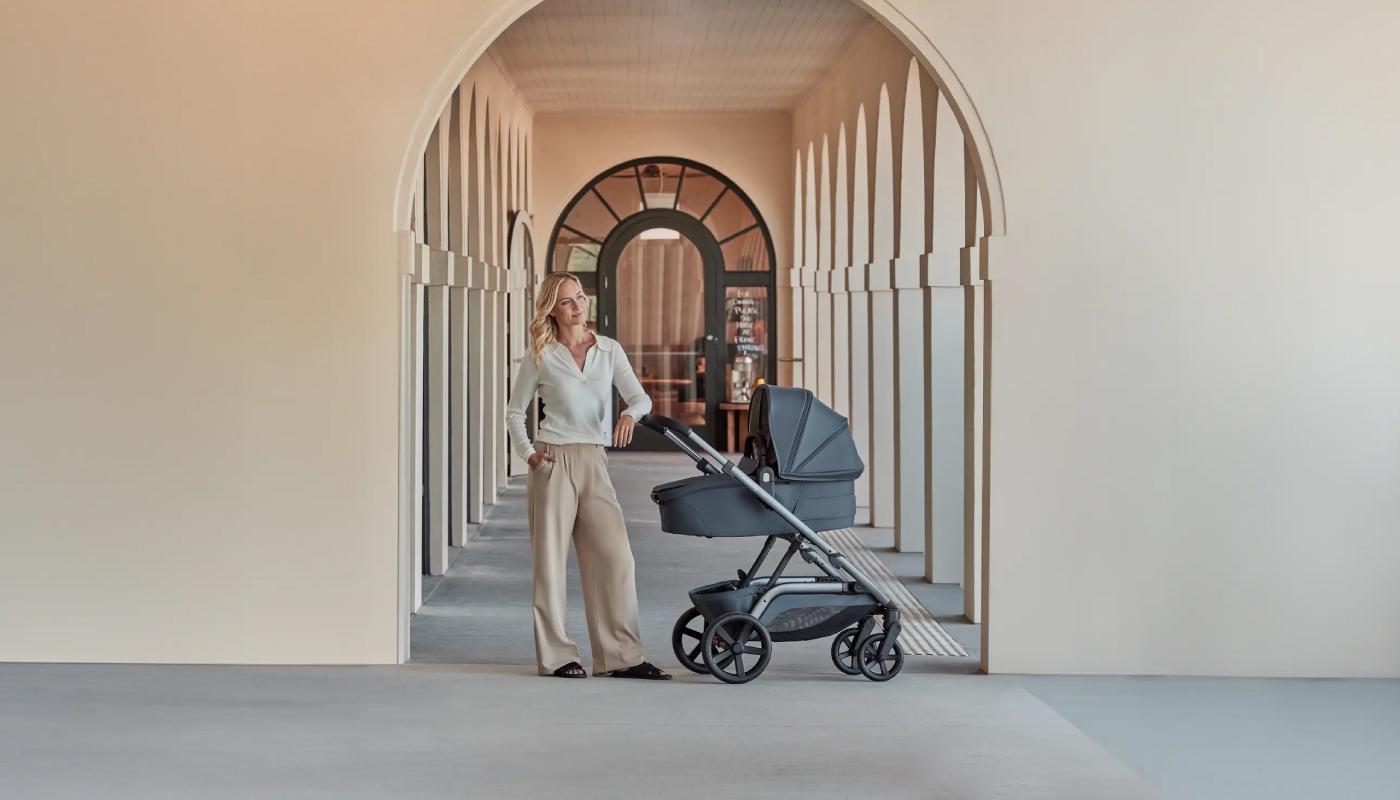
x: 538, y: 458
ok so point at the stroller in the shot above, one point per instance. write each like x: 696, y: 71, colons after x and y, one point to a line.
x: 796, y: 477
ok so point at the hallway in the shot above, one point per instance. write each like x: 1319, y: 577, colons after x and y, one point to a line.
x: 479, y: 612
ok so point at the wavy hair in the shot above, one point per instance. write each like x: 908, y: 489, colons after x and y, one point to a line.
x: 544, y: 331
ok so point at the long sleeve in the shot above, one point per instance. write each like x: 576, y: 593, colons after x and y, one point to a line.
x: 526, y: 382
x: 638, y: 403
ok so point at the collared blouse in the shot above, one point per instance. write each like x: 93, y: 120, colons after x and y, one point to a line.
x: 576, y: 401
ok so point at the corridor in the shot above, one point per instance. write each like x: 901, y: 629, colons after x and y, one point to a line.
x: 479, y: 612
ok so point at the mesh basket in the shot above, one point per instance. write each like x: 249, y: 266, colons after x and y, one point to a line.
x: 718, y: 599
x: 793, y: 618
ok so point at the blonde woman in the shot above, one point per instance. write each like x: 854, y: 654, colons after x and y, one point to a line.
x: 571, y: 496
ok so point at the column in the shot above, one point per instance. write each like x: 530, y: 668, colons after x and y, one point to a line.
x: 945, y: 554
x: 884, y: 387
x: 458, y: 279
x: 860, y: 305
x: 475, y: 326
x: 840, y: 299
x: 821, y: 284
x: 437, y: 488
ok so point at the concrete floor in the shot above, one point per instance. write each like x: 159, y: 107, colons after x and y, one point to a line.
x: 479, y: 723
x: 479, y: 613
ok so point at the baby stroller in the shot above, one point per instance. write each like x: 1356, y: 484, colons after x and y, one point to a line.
x: 796, y: 477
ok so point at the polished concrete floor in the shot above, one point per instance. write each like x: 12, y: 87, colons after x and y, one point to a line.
x: 469, y: 718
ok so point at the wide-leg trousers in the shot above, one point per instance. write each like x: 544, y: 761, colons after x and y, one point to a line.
x: 572, y: 499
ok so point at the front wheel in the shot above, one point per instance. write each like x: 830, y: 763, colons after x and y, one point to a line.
x: 843, y: 651
x: 685, y: 641
x: 876, y: 668
x: 736, y: 648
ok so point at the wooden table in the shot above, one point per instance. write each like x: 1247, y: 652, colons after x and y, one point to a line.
x: 735, y: 415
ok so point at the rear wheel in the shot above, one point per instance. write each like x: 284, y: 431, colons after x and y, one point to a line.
x: 685, y: 641
x: 736, y: 648
x: 843, y: 651
x: 876, y: 668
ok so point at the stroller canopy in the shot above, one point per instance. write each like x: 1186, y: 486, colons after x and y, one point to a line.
x: 806, y: 440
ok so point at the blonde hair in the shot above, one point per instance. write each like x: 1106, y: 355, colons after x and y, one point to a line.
x: 544, y: 330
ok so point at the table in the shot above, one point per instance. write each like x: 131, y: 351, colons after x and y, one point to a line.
x: 735, y: 415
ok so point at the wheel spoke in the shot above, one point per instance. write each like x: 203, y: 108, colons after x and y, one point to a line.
x: 739, y: 665
x: 723, y: 634
x: 724, y: 662
x: 694, y: 654
x: 754, y: 651
x: 688, y: 632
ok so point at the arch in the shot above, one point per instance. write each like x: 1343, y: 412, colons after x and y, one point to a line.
x: 911, y: 168
x: 473, y: 181
x: 797, y: 209
x: 685, y: 224
x: 882, y: 208
x: 824, y: 260
x: 841, y: 208
x: 619, y: 217
x: 984, y: 182
x: 809, y: 210
x: 508, y: 11
x: 860, y: 193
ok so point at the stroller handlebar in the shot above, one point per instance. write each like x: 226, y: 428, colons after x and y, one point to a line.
x: 681, y: 436
x: 662, y: 424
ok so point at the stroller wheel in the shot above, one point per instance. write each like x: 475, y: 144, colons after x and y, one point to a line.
x: 736, y: 648
x: 843, y: 651
x: 685, y: 641
x: 876, y: 668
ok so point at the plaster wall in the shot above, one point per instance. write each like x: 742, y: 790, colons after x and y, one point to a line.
x: 1196, y: 406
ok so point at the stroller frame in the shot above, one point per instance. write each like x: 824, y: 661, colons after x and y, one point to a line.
x: 841, y: 577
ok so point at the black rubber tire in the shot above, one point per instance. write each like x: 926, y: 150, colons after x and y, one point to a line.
x: 736, y: 629
x: 685, y: 640
x: 870, y: 664
x: 843, y: 651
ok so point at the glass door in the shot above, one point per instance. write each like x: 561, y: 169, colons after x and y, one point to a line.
x: 661, y: 300
x: 661, y: 316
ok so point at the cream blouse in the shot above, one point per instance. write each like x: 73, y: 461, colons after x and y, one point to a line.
x: 576, y: 402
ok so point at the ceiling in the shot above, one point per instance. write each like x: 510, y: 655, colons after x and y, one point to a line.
x: 675, y: 55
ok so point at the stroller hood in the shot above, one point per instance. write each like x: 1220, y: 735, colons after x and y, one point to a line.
x: 806, y: 440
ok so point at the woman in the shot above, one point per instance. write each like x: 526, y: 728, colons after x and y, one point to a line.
x: 571, y: 495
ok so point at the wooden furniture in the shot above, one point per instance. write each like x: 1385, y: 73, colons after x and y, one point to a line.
x: 736, y: 419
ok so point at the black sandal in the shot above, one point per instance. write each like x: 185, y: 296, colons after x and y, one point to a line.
x: 645, y: 671
x: 573, y: 669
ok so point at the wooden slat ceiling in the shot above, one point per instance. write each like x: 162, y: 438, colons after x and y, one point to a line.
x: 675, y: 55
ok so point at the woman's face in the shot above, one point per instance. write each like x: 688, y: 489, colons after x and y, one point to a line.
x: 571, y: 304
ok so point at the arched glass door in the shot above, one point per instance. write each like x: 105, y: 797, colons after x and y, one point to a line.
x: 658, y: 300
x: 681, y: 266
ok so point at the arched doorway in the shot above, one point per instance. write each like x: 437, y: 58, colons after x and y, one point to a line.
x: 681, y: 265
x: 874, y: 213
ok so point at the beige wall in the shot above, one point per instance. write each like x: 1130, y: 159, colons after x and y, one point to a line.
x: 749, y: 149
x: 1196, y: 401
x: 1195, y: 450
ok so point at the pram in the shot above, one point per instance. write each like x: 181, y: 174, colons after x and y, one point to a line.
x: 797, y: 477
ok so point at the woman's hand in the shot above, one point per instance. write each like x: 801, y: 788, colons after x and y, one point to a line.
x: 537, y: 457
x: 622, y: 434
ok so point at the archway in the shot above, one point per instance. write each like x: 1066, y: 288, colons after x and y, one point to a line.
x: 812, y: 280
x: 681, y: 263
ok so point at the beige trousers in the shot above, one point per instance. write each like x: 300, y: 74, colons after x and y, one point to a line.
x: 572, y: 498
